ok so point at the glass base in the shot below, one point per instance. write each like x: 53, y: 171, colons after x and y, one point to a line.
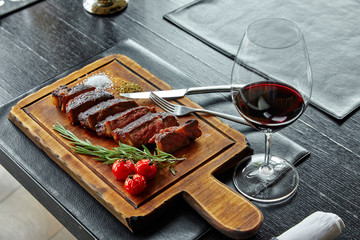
x: 260, y: 183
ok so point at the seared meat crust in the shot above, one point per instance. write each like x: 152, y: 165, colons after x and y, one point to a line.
x: 97, y: 113
x: 141, y: 130
x: 171, y: 139
x: 85, y: 101
x: 120, y: 120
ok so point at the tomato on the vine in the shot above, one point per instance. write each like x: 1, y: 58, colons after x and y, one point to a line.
x: 135, y: 184
x: 146, y: 168
x: 122, y: 169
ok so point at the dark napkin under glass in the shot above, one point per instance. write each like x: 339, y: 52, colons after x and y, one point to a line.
x: 331, y: 30
x: 71, y: 196
x: 7, y: 6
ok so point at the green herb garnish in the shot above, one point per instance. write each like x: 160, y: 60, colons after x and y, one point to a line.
x: 124, y: 151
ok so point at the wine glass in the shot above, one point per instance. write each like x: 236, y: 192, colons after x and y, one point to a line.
x: 271, y: 86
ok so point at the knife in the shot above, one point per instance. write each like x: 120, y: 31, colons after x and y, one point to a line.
x: 177, y: 93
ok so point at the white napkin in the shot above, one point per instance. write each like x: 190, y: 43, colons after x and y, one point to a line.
x: 317, y: 226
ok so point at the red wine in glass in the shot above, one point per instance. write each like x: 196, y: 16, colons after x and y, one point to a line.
x: 271, y: 85
x: 269, y: 106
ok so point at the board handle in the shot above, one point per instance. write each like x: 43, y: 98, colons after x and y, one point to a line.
x: 226, y: 210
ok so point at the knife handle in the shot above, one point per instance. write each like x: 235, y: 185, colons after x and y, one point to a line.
x: 209, y: 89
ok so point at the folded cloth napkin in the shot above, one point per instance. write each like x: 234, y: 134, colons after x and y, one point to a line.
x: 317, y: 226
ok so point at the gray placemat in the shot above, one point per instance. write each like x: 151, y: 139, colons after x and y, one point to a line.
x: 331, y: 30
x: 8, y: 6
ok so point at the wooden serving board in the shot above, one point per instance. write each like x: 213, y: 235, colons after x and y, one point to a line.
x: 218, y: 149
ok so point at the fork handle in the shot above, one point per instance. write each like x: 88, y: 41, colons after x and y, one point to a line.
x: 209, y: 89
x: 223, y: 115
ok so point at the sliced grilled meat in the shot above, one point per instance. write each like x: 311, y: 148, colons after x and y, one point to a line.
x: 141, y: 130
x: 58, y: 94
x: 85, y: 101
x: 172, y: 139
x: 191, y: 129
x: 169, y: 120
x: 99, y: 112
x: 74, y: 92
x: 120, y: 120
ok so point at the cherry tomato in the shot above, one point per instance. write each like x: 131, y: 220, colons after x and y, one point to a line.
x: 122, y: 169
x: 135, y: 184
x: 146, y: 168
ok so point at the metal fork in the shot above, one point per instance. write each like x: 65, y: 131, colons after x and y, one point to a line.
x: 179, y: 110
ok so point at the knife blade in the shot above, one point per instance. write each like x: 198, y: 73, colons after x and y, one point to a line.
x: 178, y: 93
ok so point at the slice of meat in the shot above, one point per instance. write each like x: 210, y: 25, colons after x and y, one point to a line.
x: 58, y: 94
x: 169, y: 120
x: 120, y: 120
x: 74, y: 92
x: 172, y: 139
x: 191, y: 129
x: 85, y: 101
x: 141, y: 130
x: 99, y: 112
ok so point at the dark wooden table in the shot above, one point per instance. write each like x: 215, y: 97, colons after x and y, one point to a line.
x: 48, y: 39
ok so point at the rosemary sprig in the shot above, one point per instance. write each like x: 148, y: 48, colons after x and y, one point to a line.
x: 109, y: 156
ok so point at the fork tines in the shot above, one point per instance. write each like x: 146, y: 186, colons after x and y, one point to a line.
x: 162, y: 103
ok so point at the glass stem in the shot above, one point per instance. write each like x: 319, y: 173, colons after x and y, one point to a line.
x: 266, y: 168
x: 267, y: 148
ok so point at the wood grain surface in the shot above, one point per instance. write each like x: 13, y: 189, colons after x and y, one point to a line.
x: 35, y: 115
